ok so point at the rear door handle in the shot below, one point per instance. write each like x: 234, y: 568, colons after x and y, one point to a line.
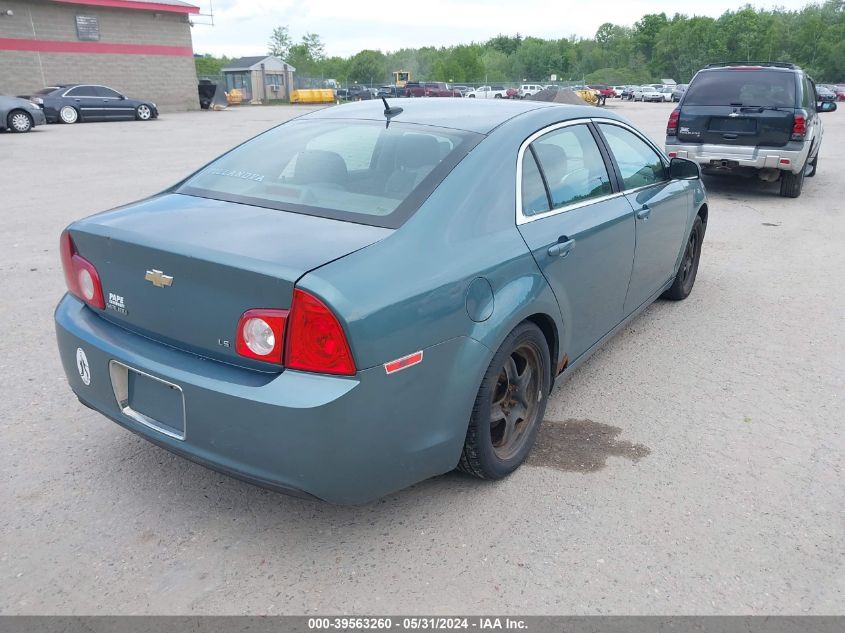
x: 562, y: 248
x: 644, y: 212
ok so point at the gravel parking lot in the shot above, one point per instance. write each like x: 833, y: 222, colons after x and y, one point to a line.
x: 693, y: 465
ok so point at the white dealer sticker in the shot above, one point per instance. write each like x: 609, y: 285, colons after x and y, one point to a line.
x: 82, y: 366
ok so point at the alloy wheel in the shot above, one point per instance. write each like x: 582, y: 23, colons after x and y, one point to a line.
x: 68, y: 114
x: 515, y: 399
x: 20, y: 122
x: 144, y: 112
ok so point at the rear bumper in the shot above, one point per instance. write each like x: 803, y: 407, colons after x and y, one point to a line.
x: 341, y: 439
x: 743, y: 156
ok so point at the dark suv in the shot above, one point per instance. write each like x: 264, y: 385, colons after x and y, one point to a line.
x: 750, y: 116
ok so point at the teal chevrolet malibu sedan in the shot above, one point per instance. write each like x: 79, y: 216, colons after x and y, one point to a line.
x: 367, y: 296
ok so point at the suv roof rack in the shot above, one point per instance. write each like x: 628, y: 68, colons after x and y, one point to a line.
x: 789, y: 65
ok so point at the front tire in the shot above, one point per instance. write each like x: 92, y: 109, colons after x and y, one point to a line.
x: 68, y: 114
x: 143, y: 112
x: 19, y: 122
x: 510, y: 405
x: 687, y: 271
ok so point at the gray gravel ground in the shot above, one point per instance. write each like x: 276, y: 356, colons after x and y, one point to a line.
x: 694, y: 465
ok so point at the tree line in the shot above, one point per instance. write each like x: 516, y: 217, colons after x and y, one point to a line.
x: 655, y: 47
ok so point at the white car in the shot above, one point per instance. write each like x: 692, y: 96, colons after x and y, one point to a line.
x: 650, y: 93
x: 529, y: 90
x: 618, y: 90
x: 488, y: 92
x: 637, y: 92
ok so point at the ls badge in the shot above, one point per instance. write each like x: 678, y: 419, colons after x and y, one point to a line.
x: 158, y: 278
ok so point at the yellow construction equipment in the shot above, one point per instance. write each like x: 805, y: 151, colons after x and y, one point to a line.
x: 401, y: 77
x: 589, y: 95
x: 313, y: 95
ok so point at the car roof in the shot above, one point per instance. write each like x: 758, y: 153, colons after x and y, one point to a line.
x: 472, y: 115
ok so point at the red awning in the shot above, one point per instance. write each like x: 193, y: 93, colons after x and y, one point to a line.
x: 142, y: 5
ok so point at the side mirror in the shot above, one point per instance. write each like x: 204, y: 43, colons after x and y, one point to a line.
x: 826, y: 106
x: 122, y: 97
x: 683, y: 169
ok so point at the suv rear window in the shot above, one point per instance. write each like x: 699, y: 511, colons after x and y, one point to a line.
x: 360, y: 171
x: 742, y: 87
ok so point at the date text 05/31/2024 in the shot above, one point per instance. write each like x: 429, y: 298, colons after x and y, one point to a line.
x: 416, y: 623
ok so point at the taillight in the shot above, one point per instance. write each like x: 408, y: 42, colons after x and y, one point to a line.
x: 799, y: 127
x: 315, y: 339
x: 261, y: 334
x: 81, y: 277
x: 672, y: 125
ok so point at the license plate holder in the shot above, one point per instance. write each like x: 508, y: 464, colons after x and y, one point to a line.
x: 151, y: 401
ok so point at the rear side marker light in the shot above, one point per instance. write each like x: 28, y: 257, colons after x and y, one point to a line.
x: 673, y: 154
x: 785, y: 161
x: 403, y: 363
x: 261, y: 333
x: 82, y: 279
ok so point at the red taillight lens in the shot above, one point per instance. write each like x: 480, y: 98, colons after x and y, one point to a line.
x: 672, y: 125
x: 316, y: 341
x: 261, y: 334
x: 81, y: 277
x: 799, y: 127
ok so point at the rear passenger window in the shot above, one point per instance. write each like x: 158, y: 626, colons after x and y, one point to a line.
x: 534, y: 198
x: 639, y: 164
x: 572, y: 165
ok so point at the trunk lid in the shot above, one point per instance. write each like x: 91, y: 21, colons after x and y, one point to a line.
x: 221, y: 258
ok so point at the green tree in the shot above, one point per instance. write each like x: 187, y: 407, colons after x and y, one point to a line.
x: 367, y: 67
x: 279, y: 43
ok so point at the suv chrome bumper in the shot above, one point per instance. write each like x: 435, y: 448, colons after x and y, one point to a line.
x: 792, y: 157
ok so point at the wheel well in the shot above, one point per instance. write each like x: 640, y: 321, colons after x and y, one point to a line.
x: 702, y: 212
x: 549, y: 330
x: 21, y: 110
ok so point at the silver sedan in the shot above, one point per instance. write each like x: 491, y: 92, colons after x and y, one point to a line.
x: 19, y: 115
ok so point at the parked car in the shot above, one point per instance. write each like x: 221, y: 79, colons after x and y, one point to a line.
x: 342, y: 94
x: 358, y: 93
x: 339, y: 367
x: 618, y: 90
x: 604, y: 93
x: 651, y: 93
x: 529, y: 90
x: 678, y: 92
x: 512, y: 93
x: 488, y: 92
x: 19, y: 115
x: 627, y: 93
x: 825, y: 93
x: 761, y: 118
x: 840, y: 92
x: 430, y: 89
x: 72, y: 103
x: 390, y: 91
x: 638, y: 91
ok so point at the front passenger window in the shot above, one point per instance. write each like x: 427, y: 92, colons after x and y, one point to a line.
x: 639, y: 164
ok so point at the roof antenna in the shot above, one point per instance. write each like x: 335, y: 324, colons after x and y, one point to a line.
x: 389, y: 112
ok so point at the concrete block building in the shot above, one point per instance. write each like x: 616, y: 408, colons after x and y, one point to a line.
x: 141, y: 48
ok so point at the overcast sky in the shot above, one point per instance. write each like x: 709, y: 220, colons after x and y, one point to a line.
x: 242, y: 27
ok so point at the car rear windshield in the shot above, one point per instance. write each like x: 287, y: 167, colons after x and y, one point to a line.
x: 360, y: 171
x: 742, y: 87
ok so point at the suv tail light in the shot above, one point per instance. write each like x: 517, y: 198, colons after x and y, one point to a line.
x: 261, y: 334
x: 799, y: 128
x: 315, y: 340
x: 81, y: 277
x: 672, y: 125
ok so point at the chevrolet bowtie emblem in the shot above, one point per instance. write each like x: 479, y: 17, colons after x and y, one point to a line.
x: 158, y: 278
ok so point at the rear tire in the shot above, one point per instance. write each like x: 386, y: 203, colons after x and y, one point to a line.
x: 792, y: 184
x: 510, y: 405
x: 68, y: 114
x: 814, y: 166
x: 19, y: 122
x: 687, y: 271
